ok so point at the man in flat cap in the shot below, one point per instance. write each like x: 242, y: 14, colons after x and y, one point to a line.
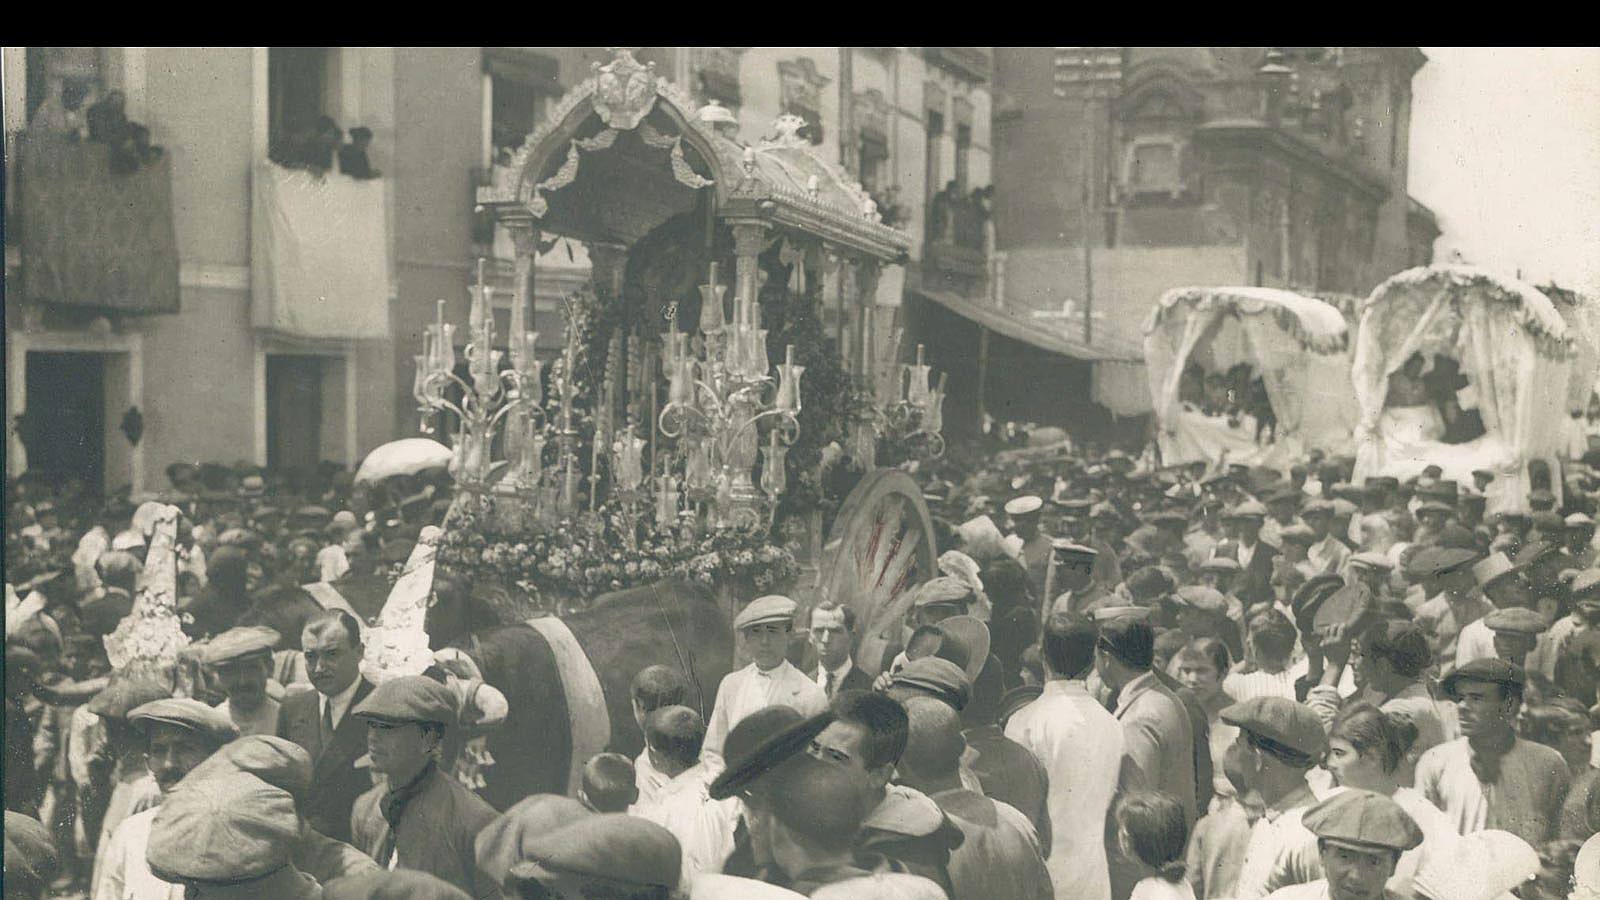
x: 1516, y: 631
x: 286, y: 765
x: 1279, y: 741
x: 1489, y: 778
x: 1080, y: 747
x: 229, y: 835
x: 1584, y: 595
x: 181, y: 734
x: 1000, y: 855
x: 1283, y: 507
x: 1391, y: 659
x: 1200, y: 540
x: 1327, y: 553
x: 1360, y: 837
x: 683, y: 805
x: 611, y: 855
x: 770, y: 679
x: 1451, y: 572
x: 418, y: 817
x: 1253, y: 554
x: 241, y: 657
x: 1024, y: 515
x: 867, y: 735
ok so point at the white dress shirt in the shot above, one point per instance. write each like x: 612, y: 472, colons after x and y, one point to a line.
x: 124, y: 875
x: 340, y: 702
x: 1079, y: 744
x: 647, y: 778
x: 703, y: 826
x: 752, y: 688
x: 838, y: 675
x: 1246, y: 554
x: 1476, y: 641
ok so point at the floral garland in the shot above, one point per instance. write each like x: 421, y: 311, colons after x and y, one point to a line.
x: 579, y: 559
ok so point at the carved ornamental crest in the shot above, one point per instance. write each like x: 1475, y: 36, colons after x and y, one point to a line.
x: 624, y: 91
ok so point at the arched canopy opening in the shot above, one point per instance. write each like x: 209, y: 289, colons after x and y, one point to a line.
x: 1236, y: 371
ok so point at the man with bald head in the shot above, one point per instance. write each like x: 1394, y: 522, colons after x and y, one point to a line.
x: 1000, y: 855
x: 320, y: 720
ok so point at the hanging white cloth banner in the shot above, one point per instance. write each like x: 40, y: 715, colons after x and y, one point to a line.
x: 319, y: 254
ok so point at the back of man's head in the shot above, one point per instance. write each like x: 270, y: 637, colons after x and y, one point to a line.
x: 882, y: 719
x: 608, y: 783
x: 1130, y: 641
x: 676, y: 732
x: 1272, y: 635
x: 658, y: 686
x: 933, y: 742
x: 1068, y: 646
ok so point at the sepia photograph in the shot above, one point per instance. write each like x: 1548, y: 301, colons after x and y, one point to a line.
x: 851, y: 473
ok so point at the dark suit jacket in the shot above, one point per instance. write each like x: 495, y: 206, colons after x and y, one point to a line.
x: 1255, y: 582
x: 854, y: 680
x: 335, y: 781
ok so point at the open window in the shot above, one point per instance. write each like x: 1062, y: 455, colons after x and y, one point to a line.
x: 297, y: 98
x: 522, y: 85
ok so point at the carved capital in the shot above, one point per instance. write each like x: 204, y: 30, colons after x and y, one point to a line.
x: 749, y: 239
x: 524, y: 237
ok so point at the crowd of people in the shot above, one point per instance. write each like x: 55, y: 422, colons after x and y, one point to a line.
x: 78, y: 111
x: 1124, y: 682
x: 320, y: 146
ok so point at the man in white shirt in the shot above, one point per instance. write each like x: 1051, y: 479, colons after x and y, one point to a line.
x: 1079, y: 744
x: 1279, y: 741
x: 1327, y: 553
x: 683, y: 805
x: 832, y: 628
x: 242, y: 659
x: 655, y: 687
x: 181, y: 734
x: 764, y: 628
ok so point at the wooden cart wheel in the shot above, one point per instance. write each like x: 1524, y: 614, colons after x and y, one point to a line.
x: 879, y: 550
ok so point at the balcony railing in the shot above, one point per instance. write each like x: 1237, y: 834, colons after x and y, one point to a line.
x: 93, y: 236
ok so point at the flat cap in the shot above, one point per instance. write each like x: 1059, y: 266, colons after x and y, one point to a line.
x: 1535, y: 551
x: 1548, y: 521
x: 1448, y: 559
x: 1107, y: 613
x: 1492, y: 568
x: 1382, y: 483
x: 505, y: 841
x: 1307, y: 597
x: 941, y: 590
x: 1249, y: 509
x: 973, y: 636
x: 764, y: 611
x: 240, y: 644
x: 1491, y: 671
x: 939, y: 677
x: 609, y: 847
x: 229, y: 827
x: 123, y: 695
x: 762, y: 742
x: 1298, y: 534
x: 1434, y: 507
x: 183, y: 712
x: 1516, y: 620
x: 1281, y: 721
x: 1068, y: 549
x: 399, y: 884
x: 30, y: 853
x: 1363, y: 820
x: 1202, y: 598
x: 1512, y: 515
x: 1285, y: 494
x: 278, y: 761
x: 1022, y: 506
x: 1318, y: 507
x: 1371, y: 559
x: 1344, y: 509
x: 1578, y: 520
x: 1220, y: 563
x: 1167, y: 517
x: 1483, y: 865
x: 410, y: 699
x: 1586, y: 586
x: 1076, y: 507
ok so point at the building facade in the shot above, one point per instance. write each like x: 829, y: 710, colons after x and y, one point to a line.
x: 277, y: 317
x: 1122, y: 172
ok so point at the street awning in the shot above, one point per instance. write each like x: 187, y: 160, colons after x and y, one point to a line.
x: 1041, y: 333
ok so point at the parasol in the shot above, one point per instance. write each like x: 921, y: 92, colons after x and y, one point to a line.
x: 409, y: 456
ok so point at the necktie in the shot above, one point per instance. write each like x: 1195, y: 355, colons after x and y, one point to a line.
x: 829, y: 686
x: 327, y: 721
